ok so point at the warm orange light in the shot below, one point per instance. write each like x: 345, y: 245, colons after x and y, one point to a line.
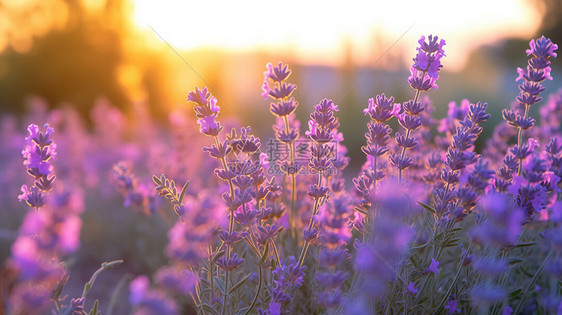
x: 315, y: 30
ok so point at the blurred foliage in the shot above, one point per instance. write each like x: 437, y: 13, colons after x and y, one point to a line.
x: 72, y: 64
x: 86, y: 53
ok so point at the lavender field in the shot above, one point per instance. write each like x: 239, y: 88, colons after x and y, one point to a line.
x: 126, y: 215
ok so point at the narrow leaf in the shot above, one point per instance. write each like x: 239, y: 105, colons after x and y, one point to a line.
x: 243, y: 310
x: 525, y: 244
x: 94, y: 310
x: 209, y: 308
x: 220, y: 284
x: 217, y: 255
x: 265, y: 254
x: 427, y: 207
x: 239, y: 284
x: 156, y: 180
x: 183, y: 191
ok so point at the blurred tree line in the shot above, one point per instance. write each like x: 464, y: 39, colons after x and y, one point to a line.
x: 71, y: 51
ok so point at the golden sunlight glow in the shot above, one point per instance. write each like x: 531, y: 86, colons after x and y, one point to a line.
x: 317, y: 31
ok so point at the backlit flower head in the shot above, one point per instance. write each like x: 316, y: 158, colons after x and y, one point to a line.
x: 427, y: 64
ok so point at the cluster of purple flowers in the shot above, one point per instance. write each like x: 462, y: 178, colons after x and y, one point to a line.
x: 46, y: 235
x: 389, y: 236
x: 537, y: 70
x: 145, y: 300
x: 137, y: 194
x: 333, y: 254
x: 457, y: 203
x: 287, y: 127
x: 459, y: 232
x: 276, y: 88
x: 427, y: 64
x: 38, y: 153
x: 424, y: 74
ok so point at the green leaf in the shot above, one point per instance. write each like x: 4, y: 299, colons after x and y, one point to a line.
x: 94, y: 310
x: 243, y: 310
x: 104, y: 266
x: 427, y: 207
x: 415, y: 262
x: 156, y: 180
x: 529, y: 274
x: 452, y: 243
x: 265, y: 254
x: 520, y: 245
x: 209, y: 308
x: 220, y: 284
x: 58, y: 290
x: 239, y: 284
x: 361, y: 210
x: 515, y: 261
x: 183, y: 191
x: 217, y: 255
x: 515, y: 293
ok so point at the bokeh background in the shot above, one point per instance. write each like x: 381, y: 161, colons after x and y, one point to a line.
x: 78, y: 56
x: 74, y: 52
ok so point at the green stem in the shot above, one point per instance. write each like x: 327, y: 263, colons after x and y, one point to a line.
x: 230, y: 227
x: 302, y: 255
x: 446, y: 296
x: 532, y: 283
x: 276, y: 252
x: 292, y: 212
x: 115, y: 295
x: 520, y: 138
x: 257, y: 292
x: 104, y: 266
x: 210, y: 272
x: 416, y: 97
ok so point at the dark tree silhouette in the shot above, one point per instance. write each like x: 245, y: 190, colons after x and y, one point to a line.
x: 74, y: 64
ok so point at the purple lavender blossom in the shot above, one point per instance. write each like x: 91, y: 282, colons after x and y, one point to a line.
x: 427, y: 63
x: 383, y: 109
x: 484, y: 296
x: 412, y: 288
x: 149, y: 301
x: 460, y: 154
x: 206, y: 110
x: 38, y: 154
x: 538, y: 70
x: 433, y: 266
x: 452, y: 307
x: 230, y: 264
x: 176, y: 279
x: 287, y: 278
x: 322, y: 123
x: 503, y: 224
x: 378, y: 258
x: 137, y: 195
x: 190, y: 236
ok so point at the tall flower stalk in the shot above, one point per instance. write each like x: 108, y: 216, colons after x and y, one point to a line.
x: 38, y: 154
x: 206, y: 110
x: 537, y: 70
x: 322, y: 130
x: 423, y: 75
x: 276, y: 87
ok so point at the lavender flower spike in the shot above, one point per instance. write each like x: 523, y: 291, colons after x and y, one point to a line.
x: 38, y: 154
x: 427, y: 63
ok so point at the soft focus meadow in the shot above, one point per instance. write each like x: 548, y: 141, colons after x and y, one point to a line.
x: 202, y: 215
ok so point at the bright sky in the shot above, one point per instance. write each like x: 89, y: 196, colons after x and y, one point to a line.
x: 315, y: 30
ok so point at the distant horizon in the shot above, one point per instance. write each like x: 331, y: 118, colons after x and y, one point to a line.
x: 321, y: 33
